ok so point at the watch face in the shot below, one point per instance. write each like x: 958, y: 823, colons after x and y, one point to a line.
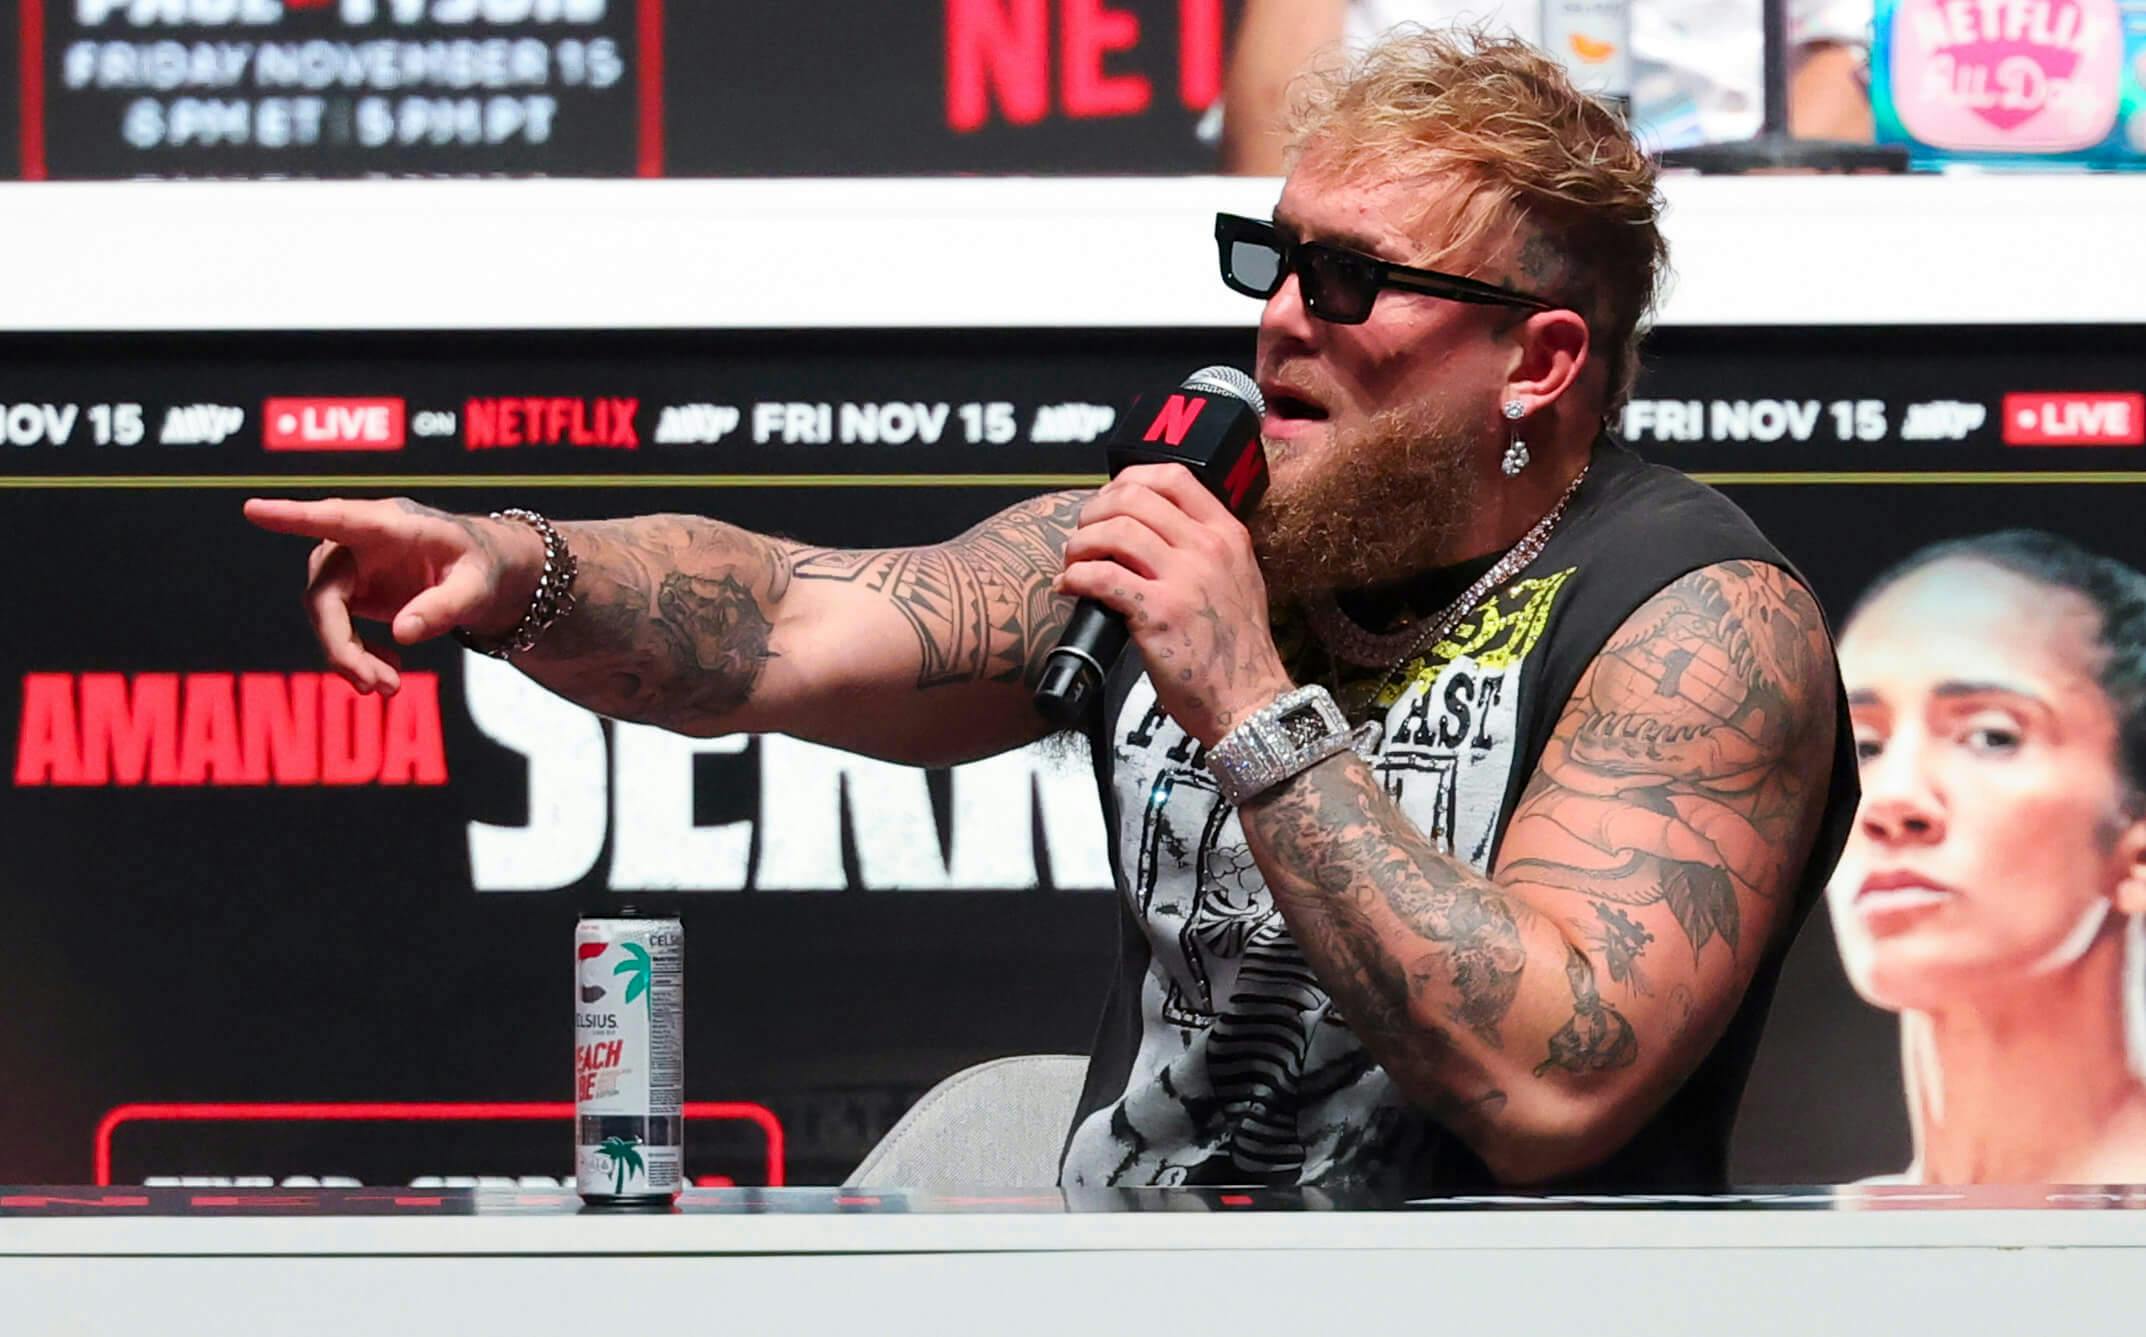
x: 1304, y: 726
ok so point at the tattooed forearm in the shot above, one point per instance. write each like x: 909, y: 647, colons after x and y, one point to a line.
x: 672, y: 619
x: 1395, y: 929
x: 981, y: 605
x: 675, y: 618
x: 715, y: 628
x: 1380, y: 1005
x: 1466, y: 948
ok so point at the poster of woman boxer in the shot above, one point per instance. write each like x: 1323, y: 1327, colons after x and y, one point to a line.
x: 1993, y: 892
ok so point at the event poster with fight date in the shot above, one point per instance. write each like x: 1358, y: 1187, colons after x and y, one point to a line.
x: 262, y: 928
x: 606, y: 88
x: 277, y: 88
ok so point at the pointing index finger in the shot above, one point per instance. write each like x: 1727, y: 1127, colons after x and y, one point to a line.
x: 335, y: 519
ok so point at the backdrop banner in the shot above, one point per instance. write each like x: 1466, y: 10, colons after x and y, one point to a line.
x: 263, y: 929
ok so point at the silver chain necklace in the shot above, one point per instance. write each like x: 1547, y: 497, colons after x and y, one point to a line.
x: 1367, y: 649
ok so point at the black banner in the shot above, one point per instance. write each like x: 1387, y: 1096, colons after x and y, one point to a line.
x: 265, y: 928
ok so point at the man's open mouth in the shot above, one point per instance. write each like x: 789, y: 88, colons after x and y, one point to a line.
x: 1290, y: 405
x: 1293, y: 406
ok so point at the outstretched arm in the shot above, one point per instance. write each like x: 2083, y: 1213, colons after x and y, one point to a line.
x: 925, y: 655
x: 1547, y: 1010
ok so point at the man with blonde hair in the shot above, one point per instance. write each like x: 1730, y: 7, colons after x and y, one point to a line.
x: 1475, y: 862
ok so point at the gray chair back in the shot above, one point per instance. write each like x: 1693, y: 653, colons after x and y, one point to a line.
x: 999, y: 1124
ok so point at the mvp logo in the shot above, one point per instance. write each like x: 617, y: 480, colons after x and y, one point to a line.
x: 2075, y: 420
x: 226, y: 730
x: 332, y: 424
x: 604, y: 423
x: 696, y: 424
x: 201, y: 424
x: 1056, y: 423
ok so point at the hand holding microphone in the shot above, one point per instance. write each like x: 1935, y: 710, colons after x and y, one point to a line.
x: 1162, y: 559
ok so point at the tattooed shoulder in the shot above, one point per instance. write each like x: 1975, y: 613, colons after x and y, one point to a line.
x: 1684, y: 778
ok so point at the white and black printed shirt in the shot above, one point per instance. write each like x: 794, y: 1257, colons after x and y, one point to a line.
x: 1221, y: 1059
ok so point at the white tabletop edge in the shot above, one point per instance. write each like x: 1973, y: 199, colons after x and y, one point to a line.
x: 990, y: 1233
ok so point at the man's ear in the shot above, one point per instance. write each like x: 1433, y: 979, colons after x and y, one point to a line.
x: 1551, y: 353
x: 2131, y: 857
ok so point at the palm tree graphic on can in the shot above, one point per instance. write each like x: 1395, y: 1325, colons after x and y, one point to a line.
x: 624, y: 1159
x: 638, y: 969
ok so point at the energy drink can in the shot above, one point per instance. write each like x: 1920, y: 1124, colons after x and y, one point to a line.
x: 629, y: 1061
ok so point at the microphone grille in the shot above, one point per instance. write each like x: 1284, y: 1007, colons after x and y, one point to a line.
x: 1220, y: 380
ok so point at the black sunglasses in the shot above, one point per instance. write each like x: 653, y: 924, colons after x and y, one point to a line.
x: 1338, y: 284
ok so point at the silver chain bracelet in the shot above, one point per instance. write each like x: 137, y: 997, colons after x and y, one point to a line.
x: 554, y: 597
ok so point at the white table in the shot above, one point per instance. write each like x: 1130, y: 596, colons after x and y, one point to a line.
x: 799, y: 1260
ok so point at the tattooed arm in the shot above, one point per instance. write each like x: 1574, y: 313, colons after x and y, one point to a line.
x: 926, y: 655
x: 1546, y: 1011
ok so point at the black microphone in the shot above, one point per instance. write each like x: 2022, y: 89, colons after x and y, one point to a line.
x: 1209, y: 424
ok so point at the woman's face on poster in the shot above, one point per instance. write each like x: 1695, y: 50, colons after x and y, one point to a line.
x: 1986, y: 847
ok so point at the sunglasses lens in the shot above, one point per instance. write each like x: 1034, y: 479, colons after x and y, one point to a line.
x: 1254, y: 266
x: 1337, y: 287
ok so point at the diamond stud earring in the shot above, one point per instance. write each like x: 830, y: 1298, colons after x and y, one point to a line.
x: 1516, y: 454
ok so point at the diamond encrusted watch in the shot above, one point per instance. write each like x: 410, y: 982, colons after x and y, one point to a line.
x: 1292, y: 733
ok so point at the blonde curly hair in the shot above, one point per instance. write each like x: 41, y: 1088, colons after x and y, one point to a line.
x: 1552, y: 183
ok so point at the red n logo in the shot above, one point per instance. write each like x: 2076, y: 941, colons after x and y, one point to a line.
x: 1241, y: 476
x: 1176, y: 419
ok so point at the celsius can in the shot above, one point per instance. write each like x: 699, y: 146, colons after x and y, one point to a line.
x: 629, y: 1060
